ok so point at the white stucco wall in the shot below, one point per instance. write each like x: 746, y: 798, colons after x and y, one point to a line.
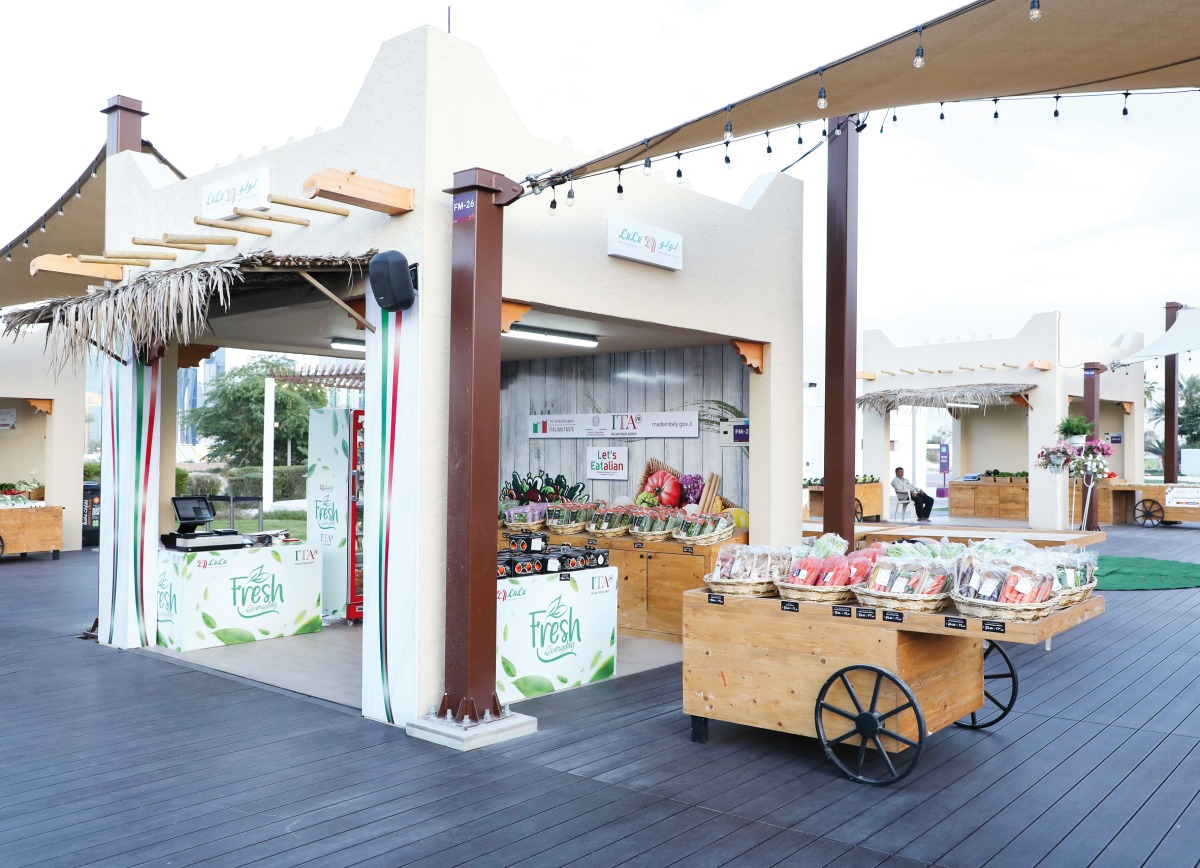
x: 431, y: 106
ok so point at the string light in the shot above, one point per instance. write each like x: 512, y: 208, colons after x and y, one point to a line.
x: 60, y: 210
x: 553, y: 202
x: 770, y: 150
x: 8, y: 257
x: 79, y: 193
x: 942, y: 115
x: 42, y: 228
x: 799, y: 134
x: 1056, y: 98
x: 25, y: 243
x: 571, y: 193
x: 1125, y: 106
x: 893, y: 115
x: 728, y: 136
x: 919, y: 57
x: 646, y: 169
x: 728, y: 163
x: 1035, y: 10
x: 678, y: 167
x: 996, y: 113
x: 824, y: 129
x: 822, y: 102
x: 620, y: 189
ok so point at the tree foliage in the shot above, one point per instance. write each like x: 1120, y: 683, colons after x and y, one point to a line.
x: 232, y: 415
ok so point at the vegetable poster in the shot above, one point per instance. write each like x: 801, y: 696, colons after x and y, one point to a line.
x: 555, y: 631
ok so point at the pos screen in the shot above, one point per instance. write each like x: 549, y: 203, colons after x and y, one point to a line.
x: 193, y: 510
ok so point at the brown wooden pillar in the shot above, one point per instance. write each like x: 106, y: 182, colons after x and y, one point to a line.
x: 473, y: 441
x: 1091, y: 410
x: 1171, y: 405
x: 124, y: 124
x: 841, y: 325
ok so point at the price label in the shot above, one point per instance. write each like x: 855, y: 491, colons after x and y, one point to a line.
x: 841, y: 611
x: 717, y: 599
x: 591, y: 542
x: 865, y: 614
x: 956, y: 623
x: 789, y: 606
x: 637, y: 545
x: 993, y: 626
x: 893, y: 617
x: 687, y: 550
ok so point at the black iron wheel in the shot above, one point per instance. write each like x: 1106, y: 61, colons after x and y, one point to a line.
x: 1148, y: 513
x: 862, y: 713
x: 999, y: 689
x: 1, y: 546
x: 858, y: 513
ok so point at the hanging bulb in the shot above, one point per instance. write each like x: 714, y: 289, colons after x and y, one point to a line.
x: 919, y: 57
x: 770, y: 151
x: 620, y: 189
x: 728, y: 164
x: 571, y: 195
x: 799, y: 134
x: 60, y: 210
x: 822, y: 102
x: 996, y: 113
x: 646, y: 170
x: 942, y: 115
x: 1035, y: 10
x: 93, y: 173
x: 837, y: 131
x: 1056, y: 98
x: 25, y: 243
x: 79, y: 194
x: 728, y: 136
x: 553, y: 203
x: 43, y: 228
x: 1125, y: 107
x: 678, y: 167
x: 8, y: 257
x: 824, y: 129
x: 893, y: 115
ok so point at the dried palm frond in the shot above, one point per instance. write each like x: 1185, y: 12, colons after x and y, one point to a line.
x: 983, y: 394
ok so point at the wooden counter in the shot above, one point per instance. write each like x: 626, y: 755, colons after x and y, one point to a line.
x: 31, y: 529
x: 1042, y: 539
x: 868, y: 494
x: 991, y: 499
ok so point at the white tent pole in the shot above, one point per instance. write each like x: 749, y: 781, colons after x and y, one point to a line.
x: 268, y: 465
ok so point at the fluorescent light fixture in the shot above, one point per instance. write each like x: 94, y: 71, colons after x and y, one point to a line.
x: 349, y: 345
x: 967, y: 406
x: 550, y: 336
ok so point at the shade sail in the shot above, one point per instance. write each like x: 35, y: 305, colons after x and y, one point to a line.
x: 984, y: 50
x: 1182, y: 337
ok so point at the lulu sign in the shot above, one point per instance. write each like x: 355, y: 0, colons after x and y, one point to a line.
x: 246, y: 191
x: 642, y: 243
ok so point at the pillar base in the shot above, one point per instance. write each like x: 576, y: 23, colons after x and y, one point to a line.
x: 473, y: 735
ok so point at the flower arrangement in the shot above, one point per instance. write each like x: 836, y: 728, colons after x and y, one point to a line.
x: 1056, y: 456
x: 1091, y: 459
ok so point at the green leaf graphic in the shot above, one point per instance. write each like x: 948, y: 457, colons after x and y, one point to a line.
x: 505, y: 632
x: 613, y: 639
x: 233, y: 635
x: 556, y: 609
x: 209, y: 621
x: 562, y: 679
x: 509, y: 669
x: 514, y: 581
x: 500, y: 686
x: 199, y: 635
x: 264, y: 631
x: 312, y: 625
x: 533, y: 685
x: 574, y: 585
x: 206, y: 593
x: 188, y: 558
x: 312, y: 468
x: 277, y: 557
x: 300, y: 617
x: 345, y: 447
x: 318, y: 605
x: 160, y: 639
x: 596, y: 659
x: 342, y: 543
x: 335, y: 423
x: 605, y: 671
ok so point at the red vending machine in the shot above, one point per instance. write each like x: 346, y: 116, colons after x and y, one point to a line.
x: 354, y: 571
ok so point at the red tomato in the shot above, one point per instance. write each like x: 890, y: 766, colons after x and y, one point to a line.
x: 665, y: 486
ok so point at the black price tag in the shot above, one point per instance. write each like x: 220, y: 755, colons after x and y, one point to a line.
x: 865, y: 614
x: 993, y: 626
x: 687, y: 550
x: 636, y: 545
x: 893, y: 617
x: 841, y: 611
x: 717, y: 599
x: 591, y: 542
x: 789, y: 606
x: 956, y: 623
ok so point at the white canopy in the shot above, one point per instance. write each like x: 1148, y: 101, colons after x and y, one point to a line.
x: 1181, y: 337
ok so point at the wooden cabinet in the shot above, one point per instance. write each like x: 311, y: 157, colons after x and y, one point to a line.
x: 37, y: 529
x: 1004, y: 499
x: 631, y: 588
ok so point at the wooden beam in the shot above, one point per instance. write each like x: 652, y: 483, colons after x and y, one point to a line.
x: 137, y: 254
x: 191, y: 355
x: 510, y: 312
x: 353, y: 189
x: 886, y: 371
x: 905, y: 371
x: 1020, y: 399
x: 235, y: 227
x: 61, y: 264
x: 945, y: 370
x: 965, y: 368
x: 309, y: 206
x: 1127, y: 406
x: 925, y: 370
x: 267, y: 215
x: 223, y: 240
x: 42, y: 405
x: 1039, y: 365
x: 1009, y: 365
x: 155, y: 242
x: 359, y: 306
x: 865, y: 375
x: 127, y: 260
x: 988, y: 367
x: 347, y: 308
x: 751, y: 353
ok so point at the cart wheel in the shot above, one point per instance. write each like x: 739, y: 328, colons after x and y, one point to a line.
x: 858, y: 513
x: 999, y: 689
x: 1148, y: 513
x: 840, y: 705
x: 1, y: 546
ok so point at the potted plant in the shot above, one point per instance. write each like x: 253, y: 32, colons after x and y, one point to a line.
x: 1074, y: 429
x: 1055, y: 458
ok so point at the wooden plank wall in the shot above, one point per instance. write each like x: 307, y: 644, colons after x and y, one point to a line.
x: 648, y: 381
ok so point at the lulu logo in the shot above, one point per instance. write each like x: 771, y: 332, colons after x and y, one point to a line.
x: 554, y: 636
x: 326, y: 513
x: 168, y: 603
x: 256, y: 594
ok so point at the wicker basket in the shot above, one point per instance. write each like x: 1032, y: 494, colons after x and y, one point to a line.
x: 568, y: 528
x: 705, y: 539
x: 815, y: 593
x: 607, y: 534
x: 650, y: 535
x: 1005, y: 611
x: 741, y: 589
x: 1071, y: 596
x: 525, y: 525
x: 901, y: 602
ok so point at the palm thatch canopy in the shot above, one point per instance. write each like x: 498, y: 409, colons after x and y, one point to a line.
x: 983, y: 394
x: 159, y: 307
x: 339, y: 375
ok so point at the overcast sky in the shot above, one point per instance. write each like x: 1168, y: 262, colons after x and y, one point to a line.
x: 967, y: 228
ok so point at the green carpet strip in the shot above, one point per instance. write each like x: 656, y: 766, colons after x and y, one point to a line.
x: 1144, y: 574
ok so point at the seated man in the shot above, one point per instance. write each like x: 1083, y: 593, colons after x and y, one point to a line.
x: 922, y: 502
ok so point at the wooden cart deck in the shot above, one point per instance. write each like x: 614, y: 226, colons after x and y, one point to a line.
x: 1038, y: 538
x: 31, y: 529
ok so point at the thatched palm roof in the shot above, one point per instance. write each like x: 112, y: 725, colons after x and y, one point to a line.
x: 157, y: 308
x: 337, y: 375
x: 983, y: 394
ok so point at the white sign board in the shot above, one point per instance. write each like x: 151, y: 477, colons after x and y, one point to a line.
x: 735, y: 432
x: 248, y: 190
x: 327, y: 491
x: 227, y: 597
x: 642, y: 243
x: 609, y: 426
x: 1183, y: 496
x: 8, y: 419
x: 555, y: 631
x: 608, y: 462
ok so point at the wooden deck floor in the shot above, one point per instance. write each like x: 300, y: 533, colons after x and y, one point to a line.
x: 115, y: 758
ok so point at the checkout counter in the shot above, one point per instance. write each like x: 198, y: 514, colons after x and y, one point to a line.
x: 222, y: 588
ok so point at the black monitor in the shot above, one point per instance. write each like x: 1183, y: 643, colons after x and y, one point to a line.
x: 192, y: 512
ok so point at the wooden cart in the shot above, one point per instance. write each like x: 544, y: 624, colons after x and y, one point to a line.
x: 1152, y: 505
x: 869, y: 684
x: 31, y: 529
x: 868, y: 501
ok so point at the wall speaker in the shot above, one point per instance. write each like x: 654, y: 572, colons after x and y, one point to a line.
x: 392, y: 281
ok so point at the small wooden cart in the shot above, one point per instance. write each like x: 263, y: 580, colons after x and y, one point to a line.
x: 31, y: 529
x: 869, y: 684
x: 1152, y: 505
x: 868, y: 500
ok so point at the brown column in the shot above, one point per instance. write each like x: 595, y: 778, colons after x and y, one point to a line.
x: 841, y: 326
x: 1091, y: 409
x: 473, y: 439
x: 1171, y: 405
x: 124, y: 124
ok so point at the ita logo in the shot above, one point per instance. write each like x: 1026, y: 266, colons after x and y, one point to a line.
x: 325, y: 511
x: 554, y: 631
x: 256, y: 594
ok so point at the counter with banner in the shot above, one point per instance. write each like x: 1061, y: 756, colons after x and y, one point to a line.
x: 231, y: 596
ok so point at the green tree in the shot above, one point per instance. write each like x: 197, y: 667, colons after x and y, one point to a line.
x: 1189, y: 393
x: 232, y: 414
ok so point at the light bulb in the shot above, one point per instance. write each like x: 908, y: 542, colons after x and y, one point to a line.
x: 942, y: 113
x: 1056, y: 106
x: 770, y: 150
x: 728, y: 134
x: 43, y: 228
x: 8, y: 257
x: 646, y: 169
x: 822, y: 102
x: 678, y: 167
x: 570, y: 197
x: 1035, y: 10
x: 553, y: 207
x: 799, y: 134
x: 728, y: 164
x: 79, y: 194
x: 25, y: 243
x: 679, y: 176
x: 620, y: 189
x: 919, y: 57
x: 996, y: 113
